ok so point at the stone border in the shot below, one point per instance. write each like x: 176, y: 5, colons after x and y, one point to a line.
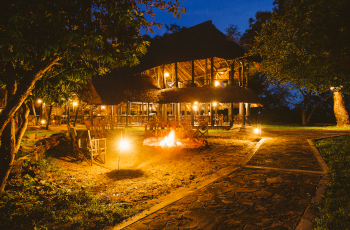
x: 183, y: 192
x: 251, y: 154
x: 311, y: 211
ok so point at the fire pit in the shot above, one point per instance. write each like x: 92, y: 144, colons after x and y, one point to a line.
x: 171, y: 141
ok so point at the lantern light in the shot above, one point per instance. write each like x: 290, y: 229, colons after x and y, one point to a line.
x: 215, y: 104
x: 166, y: 74
x: 43, y: 122
x: 217, y: 83
x: 39, y: 101
x: 103, y: 107
x: 75, y: 103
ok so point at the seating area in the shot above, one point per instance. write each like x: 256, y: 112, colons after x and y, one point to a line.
x: 182, y: 130
x: 91, y: 143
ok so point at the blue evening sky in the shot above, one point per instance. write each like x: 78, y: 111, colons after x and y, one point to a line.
x: 221, y: 12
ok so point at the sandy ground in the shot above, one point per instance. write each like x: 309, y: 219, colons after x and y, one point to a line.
x: 148, y: 173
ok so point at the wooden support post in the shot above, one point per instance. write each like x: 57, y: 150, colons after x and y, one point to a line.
x: 206, y: 72
x: 147, y: 111
x: 127, y: 113
x: 232, y: 75
x: 243, y: 116
x: 231, y: 117
x: 176, y: 76
x: 192, y: 80
x: 247, y: 76
x: 192, y: 115
x: 212, y: 71
x: 212, y: 122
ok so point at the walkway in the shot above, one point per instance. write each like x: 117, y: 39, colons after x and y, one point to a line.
x: 277, y: 186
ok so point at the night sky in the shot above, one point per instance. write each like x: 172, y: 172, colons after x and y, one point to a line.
x: 221, y: 12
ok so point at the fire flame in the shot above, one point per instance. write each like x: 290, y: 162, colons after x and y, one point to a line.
x: 170, y: 140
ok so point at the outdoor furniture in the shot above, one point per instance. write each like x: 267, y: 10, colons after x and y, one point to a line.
x: 202, y: 128
x: 237, y: 119
x: 162, y: 128
x: 151, y: 128
x: 219, y: 119
x: 187, y: 130
x: 97, y: 148
x: 175, y: 125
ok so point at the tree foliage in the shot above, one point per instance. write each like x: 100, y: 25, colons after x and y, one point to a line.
x: 52, y: 45
x: 306, y: 42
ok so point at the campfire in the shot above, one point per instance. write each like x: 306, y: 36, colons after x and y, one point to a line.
x: 170, y: 141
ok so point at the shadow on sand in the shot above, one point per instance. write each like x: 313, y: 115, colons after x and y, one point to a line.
x: 124, y: 174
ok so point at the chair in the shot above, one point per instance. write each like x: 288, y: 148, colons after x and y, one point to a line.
x: 77, y: 144
x: 202, y: 129
x: 97, y: 148
x: 162, y: 128
x: 187, y: 130
x: 174, y: 125
x: 151, y: 128
x: 219, y: 118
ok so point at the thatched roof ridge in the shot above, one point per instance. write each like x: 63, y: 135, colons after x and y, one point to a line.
x: 230, y: 94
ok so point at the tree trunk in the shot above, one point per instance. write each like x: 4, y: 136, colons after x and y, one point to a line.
x: 303, y: 116
x: 7, y: 149
x: 49, y: 118
x: 340, y: 112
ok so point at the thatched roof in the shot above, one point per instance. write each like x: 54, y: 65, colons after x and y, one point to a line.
x: 198, y: 42
x: 230, y: 94
x: 89, y: 95
x: 114, y: 90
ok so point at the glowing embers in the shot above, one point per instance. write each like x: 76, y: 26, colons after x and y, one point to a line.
x: 171, y: 141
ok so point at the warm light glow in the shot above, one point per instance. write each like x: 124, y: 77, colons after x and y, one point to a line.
x: 166, y: 74
x: 195, y: 107
x: 215, y: 104
x: 196, y: 102
x: 124, y: 144
x: 256, y: 131
x: 39, y: 101
x: 103, y: 107
x: 332, y: 88
x: 170, y: 140
x: 43, y: 122
x: 75, y: 103
x: 217, y: 83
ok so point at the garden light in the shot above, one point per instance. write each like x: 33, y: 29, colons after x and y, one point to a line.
x: 43, y: 122
x: 257, y: 131
x: 215, y: 104
x: 217, y: 83
x: 39, y: 101
x: 166, y: 74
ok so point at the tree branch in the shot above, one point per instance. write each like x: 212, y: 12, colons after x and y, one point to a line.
x: 22, y: 93
x: 23, y: 127
x: 314, y: 108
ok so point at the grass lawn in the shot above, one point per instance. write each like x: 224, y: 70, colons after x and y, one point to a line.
x: 324, y: 127
x: 45, y: 198
x: 335, y: 207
